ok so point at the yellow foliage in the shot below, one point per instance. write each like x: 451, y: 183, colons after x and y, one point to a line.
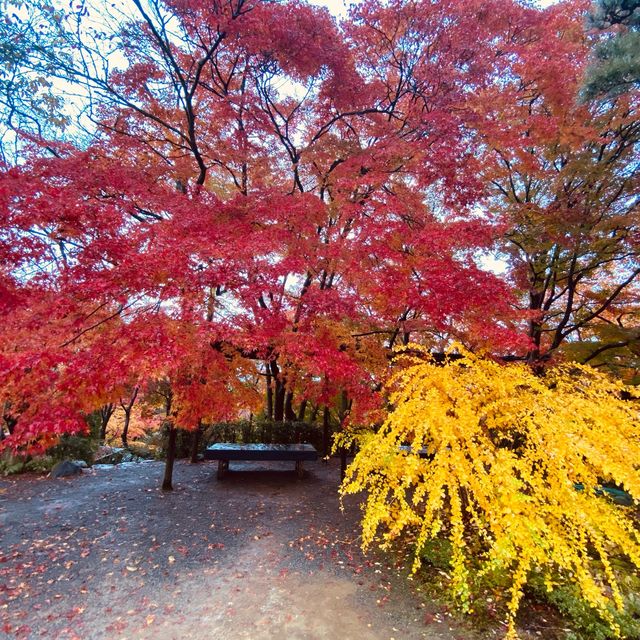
x: 139, y: 427
x: 504, y: 451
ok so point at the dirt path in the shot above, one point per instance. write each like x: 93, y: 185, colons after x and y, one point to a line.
x: 260, y: 555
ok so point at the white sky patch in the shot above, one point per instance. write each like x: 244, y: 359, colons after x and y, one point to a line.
x: 337, y: 8
x: 494, y: 264
x: 340, y: 8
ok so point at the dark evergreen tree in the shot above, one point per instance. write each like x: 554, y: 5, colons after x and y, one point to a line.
x: 616, y: 67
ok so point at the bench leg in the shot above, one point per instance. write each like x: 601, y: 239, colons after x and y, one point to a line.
x: 223, y: 466
x: 299, y: 469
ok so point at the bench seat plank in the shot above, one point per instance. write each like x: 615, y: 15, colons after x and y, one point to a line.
x: 272, y: 452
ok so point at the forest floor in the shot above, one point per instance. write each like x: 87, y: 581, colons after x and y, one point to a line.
x: 259, y: 555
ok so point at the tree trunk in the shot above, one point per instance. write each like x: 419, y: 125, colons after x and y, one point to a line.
x: 325, y: 432
x: 125, y: 428
x: 105, y: 414
x: 344, y: 406
x: 343, y: 462
x: 279, y: 393
x: 269, y: 407
x: 302, y: 411
x: 7, y: 419
x: 536, y: 299
x: 289, y: 413
x: 127, y: 416
x: 167, y: 482
x: 195, y: 442
x: 278, y: 405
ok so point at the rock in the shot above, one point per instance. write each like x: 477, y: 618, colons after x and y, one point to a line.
x: 64, y: 469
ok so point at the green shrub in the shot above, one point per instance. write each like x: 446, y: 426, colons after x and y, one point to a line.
x: 144, y: 450
x: 154, y: 442
x: 69, y: 448
x: 584, y: 621
x: 437, y: 553
x: 40, y: 464
x: 74, y: 448
x: 93, y: 421
x: 269, y: 432
x: 159, y: 440
x: 10, y: 464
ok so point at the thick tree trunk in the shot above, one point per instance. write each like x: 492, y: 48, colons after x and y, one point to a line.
x: 289, y: 413
x: 195, y: 442
x: 167, y: 482
x: 343, y: 462
x: 534, y: 356
x: 314, y: 414
x: 536, y: 299
x: 278, y: 405
x: 278, y: 394
x: 302, y: 410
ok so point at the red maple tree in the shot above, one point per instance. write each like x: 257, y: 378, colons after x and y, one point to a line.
x: 269, y: 202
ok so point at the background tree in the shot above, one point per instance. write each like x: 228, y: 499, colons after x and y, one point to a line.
x: 127, y: 406
x: 613, y: 342
x: 566, y: 182
x: 616, y: 68
x: 31, y: 104
x: 105, y: 412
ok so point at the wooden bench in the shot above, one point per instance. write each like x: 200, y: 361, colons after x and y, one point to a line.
x: 224, y: 452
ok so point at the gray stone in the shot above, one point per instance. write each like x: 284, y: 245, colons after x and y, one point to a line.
x: 65, y: 468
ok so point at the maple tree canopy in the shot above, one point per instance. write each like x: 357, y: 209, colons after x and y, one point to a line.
x: 266, y: 194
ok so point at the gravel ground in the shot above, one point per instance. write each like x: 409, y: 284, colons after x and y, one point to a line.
x: 260, y: 555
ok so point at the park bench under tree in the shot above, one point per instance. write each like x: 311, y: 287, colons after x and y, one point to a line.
x: 225, y: 452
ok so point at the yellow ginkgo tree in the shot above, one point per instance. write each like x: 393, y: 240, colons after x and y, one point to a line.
x: 508, y: 466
